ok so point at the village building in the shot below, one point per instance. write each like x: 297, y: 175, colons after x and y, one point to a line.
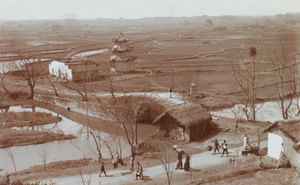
x: 284, y: 136
x: 60, y: 69
x: 77, y: 70
x: 190, y: 122
x: 121, y: 60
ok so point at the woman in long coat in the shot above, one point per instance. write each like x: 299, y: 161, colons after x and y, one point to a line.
x: 187, y: 163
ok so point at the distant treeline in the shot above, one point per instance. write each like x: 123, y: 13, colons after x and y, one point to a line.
x: 145, y: 22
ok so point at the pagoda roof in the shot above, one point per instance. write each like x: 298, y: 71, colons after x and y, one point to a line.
x: 115, y: 58
x: 121, y: 49
x: 120, y: 38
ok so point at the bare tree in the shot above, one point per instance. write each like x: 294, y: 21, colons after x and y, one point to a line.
x: 247, y: 80
x: 43, y: 152
x: 53, y: 81
x: 118, y: 145
x: 167, y: 158
x: 96, y: 136
x: 29, y: 70
x: 85, y: 179
x: 106, y: 72
x: 10, y: 153
x: 173, y: 78
x: 124, y: 112
x: 82, y: 76
x: 76, y: 145
x: 285, y: 71
x: 3, y: 73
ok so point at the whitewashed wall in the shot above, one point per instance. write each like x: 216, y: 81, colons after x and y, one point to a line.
x: 60, y: 70
x: 274, y: 145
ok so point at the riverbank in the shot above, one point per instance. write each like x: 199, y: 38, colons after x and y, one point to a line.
x: 21, y: 119
x: 32, y: 120
x: 11, y: 137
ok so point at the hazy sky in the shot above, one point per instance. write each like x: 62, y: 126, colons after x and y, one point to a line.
x: 61, y: 9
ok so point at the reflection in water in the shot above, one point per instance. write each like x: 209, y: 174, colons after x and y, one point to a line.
x: 84, y: 146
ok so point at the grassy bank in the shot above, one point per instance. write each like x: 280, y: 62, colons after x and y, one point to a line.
x: 21, y: 119
x: 12, y: 137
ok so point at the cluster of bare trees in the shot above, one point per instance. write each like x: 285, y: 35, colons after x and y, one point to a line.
x: 282, y: 57
x: 28, y: 69
x: 247, y: 77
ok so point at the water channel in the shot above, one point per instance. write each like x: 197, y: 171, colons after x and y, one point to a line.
x: 268, y: 111
x: 78, y: 148
x: 8, y: 65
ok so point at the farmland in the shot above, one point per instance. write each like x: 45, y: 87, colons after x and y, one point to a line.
x: 169, y: 54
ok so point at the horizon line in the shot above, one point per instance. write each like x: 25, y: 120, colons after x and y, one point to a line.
x: 122, y: 18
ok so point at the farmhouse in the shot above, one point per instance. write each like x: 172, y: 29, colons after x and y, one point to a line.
x: 77, y: 70
x: 60, y: 69
x: 285, y: 133
x: 191, y: 122
x: 121, y: 60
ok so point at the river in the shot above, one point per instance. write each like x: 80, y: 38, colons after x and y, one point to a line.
x: 83, y: 146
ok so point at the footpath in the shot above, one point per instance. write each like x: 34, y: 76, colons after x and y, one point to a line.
x: 198, y: 162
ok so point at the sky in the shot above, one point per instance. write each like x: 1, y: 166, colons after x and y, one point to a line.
x: 132, y: 9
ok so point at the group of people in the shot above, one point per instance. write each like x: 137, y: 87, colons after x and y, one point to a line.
x: 179, y: 165
x: 224, y: 146
x: 139, y: 172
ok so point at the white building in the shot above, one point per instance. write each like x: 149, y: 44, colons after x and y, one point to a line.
x: 284, y: 136
x: 60, y: 69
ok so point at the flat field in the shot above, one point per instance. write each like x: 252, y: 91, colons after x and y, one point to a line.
x: 186, y: 54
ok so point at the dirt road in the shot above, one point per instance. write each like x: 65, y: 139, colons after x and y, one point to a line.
x: 198, y: 162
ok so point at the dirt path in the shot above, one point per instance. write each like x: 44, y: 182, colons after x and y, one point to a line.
x: 198, y: 162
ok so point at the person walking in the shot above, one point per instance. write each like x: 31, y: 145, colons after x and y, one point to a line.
x: 246, y: 142
x: 102, y: 170
x: 187, y: 163
x: 216, y: 143
x: 179, y: 159
x: 139, y: 171
x: 225, y: 149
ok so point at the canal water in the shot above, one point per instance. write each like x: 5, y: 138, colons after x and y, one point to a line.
x: 82, y: 146
x: 268, y: 111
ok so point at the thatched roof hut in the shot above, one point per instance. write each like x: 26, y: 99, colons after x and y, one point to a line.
x: 192, y: 119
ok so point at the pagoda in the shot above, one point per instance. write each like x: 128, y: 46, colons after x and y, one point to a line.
x: 121, y: 60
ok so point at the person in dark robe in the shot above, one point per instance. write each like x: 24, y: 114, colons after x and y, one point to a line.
x: 216, y: 143
x: 179, y: 160
x: 187, y: 163
x: 102, y: 170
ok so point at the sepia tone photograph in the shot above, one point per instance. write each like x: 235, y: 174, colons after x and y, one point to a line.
x: 125, y: 92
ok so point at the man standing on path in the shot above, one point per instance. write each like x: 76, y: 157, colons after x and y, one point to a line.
x: 224, y: 146
x: 216, y: 143
x: 246, y: 142
x: 102, y: 170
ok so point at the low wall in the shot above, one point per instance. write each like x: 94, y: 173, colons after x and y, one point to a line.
x: 87, y: 108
